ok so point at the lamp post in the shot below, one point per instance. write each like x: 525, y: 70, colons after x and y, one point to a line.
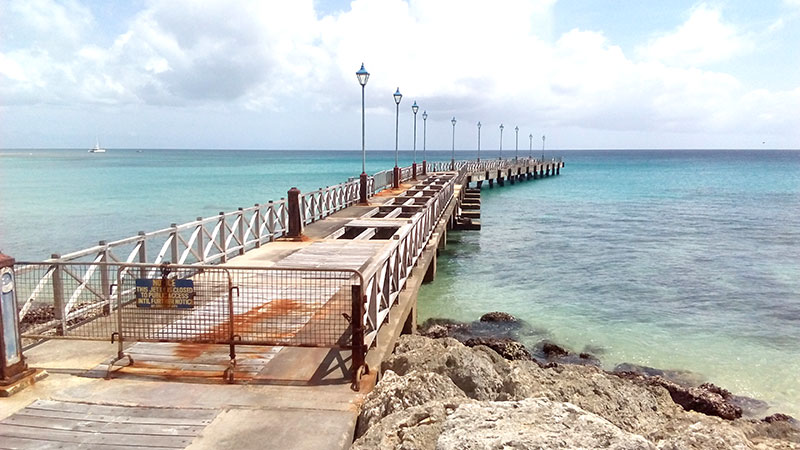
x: 414, y: 109
x: 424, y: 142
x: 516, y: 143
x: 397, y: 97
x: 363, y: 76
x: 453, y: 155
x: 542, y: 147
x: 479, y: 142
x: 501, y: 140
x: 531, y: 149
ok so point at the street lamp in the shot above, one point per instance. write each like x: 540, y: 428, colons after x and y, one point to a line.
x: 453, y: 156
x: 397, y: 97
x: 363, y: 76
x: 501, y: 140
x: 542, y: 147
x: 414, y: 109
x: 479, y: 142
x: 516, y: 140
x: 424, y: 142
x: 531, y: 149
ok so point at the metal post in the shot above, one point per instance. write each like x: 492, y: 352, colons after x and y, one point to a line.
x: 516, y: 145
x: 357, y: 327
x: 501, y: 140
x: 222, y: 239
x: 396, y: 173
x: 12, y: 361
x: 542, y: 147
x: 257, y: 225
x: 142, y: 254
x: 425, y: 142
x: 174, y: 243
x: 58, y: 295
x: 530, y: 155
x: 201, y: 248
x: 479, y: 142
x: 295, y: 222
x: 453, y: 154
x: 105, y: 284
x: 414, y: 109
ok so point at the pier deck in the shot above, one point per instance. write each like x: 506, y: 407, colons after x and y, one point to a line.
x: 302, y: 367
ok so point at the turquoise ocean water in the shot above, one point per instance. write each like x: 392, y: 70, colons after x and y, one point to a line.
x: 671, y: 259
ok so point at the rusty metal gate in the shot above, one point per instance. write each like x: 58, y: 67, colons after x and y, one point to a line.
x: 192, y: 303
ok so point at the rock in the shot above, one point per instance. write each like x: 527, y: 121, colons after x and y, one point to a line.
x: 498, y: 316
x: 708, y: 399
x: 472, y: 371
x: 779, y: 417
x: 684, y: 378
x: 417, y: 427
x: 507, y: 348
x: 552, y: 350
x: 533, y: 423
x: 439, y: 328
x: 395, y: 393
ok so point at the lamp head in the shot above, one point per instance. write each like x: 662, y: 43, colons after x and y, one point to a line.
x: 424, y: 115
x: 479, y: 125
x: 501, y: 127
x: 516, y: 129
x: 415, y: 108
x: 397, y: 96
x: 362, y: 75
x: 453, y: 121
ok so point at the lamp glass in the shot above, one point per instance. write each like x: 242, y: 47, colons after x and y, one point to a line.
x: 397, y: 96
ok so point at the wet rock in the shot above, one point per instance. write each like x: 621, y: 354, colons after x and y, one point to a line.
x: 498, y: 316
x: 395, y: 393
x: 683, y: 378
x: 507, y: 348
x: 551, y: 350
x: 708, y: 398
x: 440, y: 328
x: 594, y: 349
x: 780, y: 417
x: 532, y: 424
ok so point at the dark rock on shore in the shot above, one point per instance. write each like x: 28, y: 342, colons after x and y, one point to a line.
x: 440, y: 328
x: 498, y: 316
x: 507, y: 348
x: 552, y: 350
x: 683, y: 378
x: 439, y: 394
x: 707, y: 398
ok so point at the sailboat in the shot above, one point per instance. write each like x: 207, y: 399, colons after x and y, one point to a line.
x: 97, y: 148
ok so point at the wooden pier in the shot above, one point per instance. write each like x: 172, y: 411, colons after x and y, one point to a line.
x: 293, y: 308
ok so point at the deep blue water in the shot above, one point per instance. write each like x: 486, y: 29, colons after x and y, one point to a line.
x: 673, y: 259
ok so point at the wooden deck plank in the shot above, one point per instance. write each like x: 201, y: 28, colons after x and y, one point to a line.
x: 108, y: 418
x: 101, y: 426
x: 78, y: 437
x: 128, y: 411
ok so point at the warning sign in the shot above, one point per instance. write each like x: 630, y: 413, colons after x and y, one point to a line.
x: 164, y: 293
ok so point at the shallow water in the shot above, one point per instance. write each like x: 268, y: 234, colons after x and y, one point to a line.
x: 671, y: 259
x: 675, y: 260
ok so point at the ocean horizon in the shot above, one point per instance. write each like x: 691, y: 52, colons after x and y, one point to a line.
x: 675, y: 259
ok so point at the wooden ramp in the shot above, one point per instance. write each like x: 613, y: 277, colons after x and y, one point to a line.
x: 47, y: 424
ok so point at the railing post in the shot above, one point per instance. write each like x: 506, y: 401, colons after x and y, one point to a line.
x: 257, y: 225
x: 357, y: 325
x: 295, y: 220
x: 362, y: 186
x: 142, y: 254
x: 201, y: 248
x: 58, y: 295
x: 104, y: 281
x: 241, y: 231
x: 173, y: 246
x: 12, y: 361
x: 271, y: 220
x: 222, y: 240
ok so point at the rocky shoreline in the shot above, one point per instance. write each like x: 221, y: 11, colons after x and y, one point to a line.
x: 475, y: 386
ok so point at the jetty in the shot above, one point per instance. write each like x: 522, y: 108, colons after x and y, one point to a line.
x: 263, y: 327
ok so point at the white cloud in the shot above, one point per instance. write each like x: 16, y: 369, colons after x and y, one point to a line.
x: 491, y: 62
x: 702, y: 40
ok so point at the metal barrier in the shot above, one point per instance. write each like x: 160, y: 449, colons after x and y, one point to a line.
x: 297, y: 307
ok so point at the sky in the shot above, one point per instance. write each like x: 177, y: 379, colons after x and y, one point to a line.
x: 278, y: 74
